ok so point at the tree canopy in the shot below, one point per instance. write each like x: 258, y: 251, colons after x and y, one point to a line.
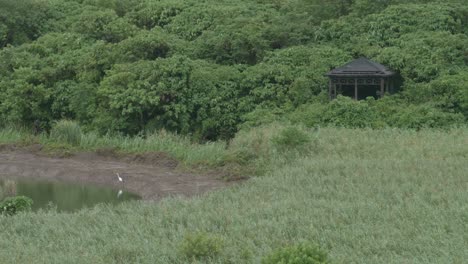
x: 203, y: 68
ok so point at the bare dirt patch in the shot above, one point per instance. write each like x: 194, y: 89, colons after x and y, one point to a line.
x: 152, y: 175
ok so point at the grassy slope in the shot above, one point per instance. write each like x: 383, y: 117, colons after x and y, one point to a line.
x: 366, y: 196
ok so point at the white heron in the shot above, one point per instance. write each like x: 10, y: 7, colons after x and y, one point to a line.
x: 121, y: 181
x: 118, y: 176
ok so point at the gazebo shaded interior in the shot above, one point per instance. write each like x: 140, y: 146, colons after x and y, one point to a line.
x: 360, y: 79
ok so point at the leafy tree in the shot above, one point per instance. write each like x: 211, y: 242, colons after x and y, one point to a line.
x: 22, y: 20
x: 424, y: 56
x: 233, y: 45
x: 203, y: 68
x: 292, y: 76
x: 103, y: 25
x: 121, y: 7
x: 447, y: 92
x: 175, y: 93
x: 150, y: 14
x: 392, y: 23
x: 145, y: 45
x: 194, y: 20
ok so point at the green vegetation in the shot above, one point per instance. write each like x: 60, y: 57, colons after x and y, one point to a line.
x: 250, y: 152
x: 300, y: 254
x: 345, y: 112
x: 201, y: 246
x: 291, y: 137
x: 12, y: 205
x: 371, y: 181
x: 361, y: 195
x: 204, y: 68
x: 181, y: 148
x: 65, y: 131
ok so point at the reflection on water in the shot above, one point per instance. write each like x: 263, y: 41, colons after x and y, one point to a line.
x: 7, y: 189
x: 65, y: 197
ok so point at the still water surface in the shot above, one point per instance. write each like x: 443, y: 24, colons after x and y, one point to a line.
x: 65, y: 197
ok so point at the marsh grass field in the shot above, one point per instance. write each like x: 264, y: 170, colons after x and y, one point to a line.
x: 361, y: 195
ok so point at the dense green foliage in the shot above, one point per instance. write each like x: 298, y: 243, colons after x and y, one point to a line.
x: 13, y: 205
x: 299, y: 254
x: 201, y: 246
x: 361, y: 195
x: 203, y: 68
x: 291, y: 138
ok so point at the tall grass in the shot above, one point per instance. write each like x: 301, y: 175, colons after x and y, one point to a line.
x: 66, y: 131
x: 179, y: 147
x: 365, y: 196
x: 67, y: 135
x: 254, y: 147
x: 12, y: 135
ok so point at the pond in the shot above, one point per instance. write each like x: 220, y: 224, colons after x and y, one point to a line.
x: 65, y: 197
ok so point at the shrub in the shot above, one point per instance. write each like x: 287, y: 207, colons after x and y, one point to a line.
x: 255, y: 148
x: 66, y: 131
x: 391, y: 111
x: 261, y: 116
x: 299, y: 254
x: 291, y: 138
x: 341, y: 112
x: 425, y: 116
x: 346, y: 112
x: 13, y: 205
x: 201, y: 246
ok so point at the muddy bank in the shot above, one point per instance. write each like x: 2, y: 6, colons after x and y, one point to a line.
x: 152, y: 175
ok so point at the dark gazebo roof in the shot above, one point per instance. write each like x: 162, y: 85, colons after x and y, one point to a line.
x: 361, y: 67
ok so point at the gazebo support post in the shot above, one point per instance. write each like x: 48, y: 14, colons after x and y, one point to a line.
x: 330, y: 89
x: 355, y: 89
x: 334, y: 88
x: 382, y: 87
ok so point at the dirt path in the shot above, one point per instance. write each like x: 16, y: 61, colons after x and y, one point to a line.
x: 152, y: 176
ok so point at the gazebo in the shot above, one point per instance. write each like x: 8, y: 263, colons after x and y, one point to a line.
x: 360, y: 79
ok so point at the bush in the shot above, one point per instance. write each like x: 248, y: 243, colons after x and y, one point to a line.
x: 13, y: 205
x: 391, y: 111
x: 291, y: 138
x: 341, y: 112
x: 201, y: 246
x: 425, y: 116
x: 255, y: 148
x: 346, y: 112
x: 300, y: 254
x: 66, y: 131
